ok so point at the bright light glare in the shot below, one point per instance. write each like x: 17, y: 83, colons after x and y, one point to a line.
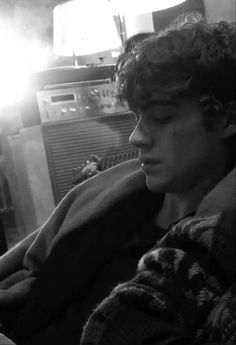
x: 84, y: 27
x: 19, y: 57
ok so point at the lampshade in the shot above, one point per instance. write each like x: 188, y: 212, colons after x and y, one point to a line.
x: 83, y: 27
x: 141, y: 6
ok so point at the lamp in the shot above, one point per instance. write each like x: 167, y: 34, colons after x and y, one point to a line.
x: 83, y: 27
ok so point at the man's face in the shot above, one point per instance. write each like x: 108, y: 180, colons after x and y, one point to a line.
x: 177, y: 152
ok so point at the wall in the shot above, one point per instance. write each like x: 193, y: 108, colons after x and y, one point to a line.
x: 217, y: 10
x: 163, y: 18
x: 158, y: 20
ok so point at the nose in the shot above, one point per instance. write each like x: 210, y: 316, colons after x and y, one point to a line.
x: 140, y: 136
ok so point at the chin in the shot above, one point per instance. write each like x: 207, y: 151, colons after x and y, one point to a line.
x: 157, y: 185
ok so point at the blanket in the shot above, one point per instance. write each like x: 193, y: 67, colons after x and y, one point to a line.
x: 44, y: 272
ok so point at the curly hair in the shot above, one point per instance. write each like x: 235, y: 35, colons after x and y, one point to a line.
x: 130, y: 45
x: 195, y: 59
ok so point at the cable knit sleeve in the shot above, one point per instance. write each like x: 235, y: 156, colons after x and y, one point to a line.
x: 183, y: 293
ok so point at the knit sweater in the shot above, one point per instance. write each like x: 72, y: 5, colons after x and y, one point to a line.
x: 184, y: 291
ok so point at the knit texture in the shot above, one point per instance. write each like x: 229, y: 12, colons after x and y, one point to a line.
x: 183, y: 293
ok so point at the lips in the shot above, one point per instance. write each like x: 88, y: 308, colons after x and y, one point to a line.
x: 149, y: 165
x: 149, y: 161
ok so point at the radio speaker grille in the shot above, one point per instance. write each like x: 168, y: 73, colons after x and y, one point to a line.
x: 68, y: 145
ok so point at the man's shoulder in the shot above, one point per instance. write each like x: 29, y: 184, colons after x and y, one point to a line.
x: 221, y: 198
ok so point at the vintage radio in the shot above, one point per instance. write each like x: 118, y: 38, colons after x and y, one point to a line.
x: 64, y: 93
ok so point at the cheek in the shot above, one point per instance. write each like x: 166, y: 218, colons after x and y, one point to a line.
x: 187, y: 142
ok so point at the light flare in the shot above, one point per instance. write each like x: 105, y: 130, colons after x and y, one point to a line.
x: 18, y: 59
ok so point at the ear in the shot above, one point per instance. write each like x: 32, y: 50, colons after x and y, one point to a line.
x: 229, y: 127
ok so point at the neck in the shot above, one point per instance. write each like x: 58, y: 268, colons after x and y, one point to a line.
x: 179, y: 205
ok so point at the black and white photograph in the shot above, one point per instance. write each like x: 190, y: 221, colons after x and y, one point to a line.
x: 117, y: 172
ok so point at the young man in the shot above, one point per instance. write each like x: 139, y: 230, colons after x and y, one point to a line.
x: 172, y: 211
x: 181, y: 85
